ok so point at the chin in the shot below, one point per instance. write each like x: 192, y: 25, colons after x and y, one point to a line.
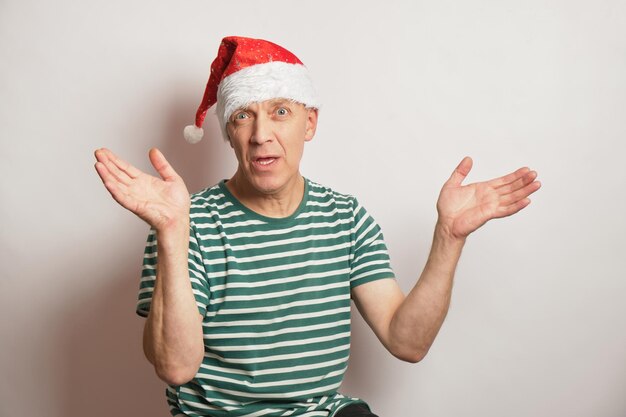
x: 271, y: 188
x: 267, y: 185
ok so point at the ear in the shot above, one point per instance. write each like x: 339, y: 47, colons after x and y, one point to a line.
x: 311, y: 124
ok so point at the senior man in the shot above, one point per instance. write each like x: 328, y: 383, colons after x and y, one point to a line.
x: 246, y: 285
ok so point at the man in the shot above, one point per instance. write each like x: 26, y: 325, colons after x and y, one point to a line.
x: 247, y: 294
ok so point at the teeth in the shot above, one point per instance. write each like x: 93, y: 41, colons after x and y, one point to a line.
x: 266, y: 161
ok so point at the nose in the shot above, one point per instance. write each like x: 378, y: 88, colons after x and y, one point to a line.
x: 262, y: 131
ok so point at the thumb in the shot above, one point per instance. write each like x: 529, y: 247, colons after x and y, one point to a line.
x: 161, y: 165
x: 460, y: 172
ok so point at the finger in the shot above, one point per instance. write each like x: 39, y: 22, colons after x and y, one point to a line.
x: 107, y: 157
x: 113, y: 186
x: 105, y: 174
x: 114, y: 171
x: 509, y: 178
x: 512, y: 208
x: 100, y: 153
x: 121, y: 164
x: 460, y: 172
x: 161, y: 165
x: 520, y: 194
x: 101, y: 157
x: 518, y: 183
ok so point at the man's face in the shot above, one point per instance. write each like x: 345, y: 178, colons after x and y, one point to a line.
x: 268, y: 139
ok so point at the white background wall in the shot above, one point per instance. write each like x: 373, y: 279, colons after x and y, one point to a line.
x: 537, y: 325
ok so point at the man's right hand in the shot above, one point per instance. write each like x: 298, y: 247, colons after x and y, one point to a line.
x: 161, y: 202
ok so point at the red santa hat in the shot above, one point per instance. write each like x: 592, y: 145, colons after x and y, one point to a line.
x: 251, y: 70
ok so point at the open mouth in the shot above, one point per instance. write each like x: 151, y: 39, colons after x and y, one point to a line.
x: 265, y: 161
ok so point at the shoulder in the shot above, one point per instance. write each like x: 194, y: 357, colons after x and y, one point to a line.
x: 209, y: 195
x: 209, y: 206
x: 210, y: 200
x: 323, y: 194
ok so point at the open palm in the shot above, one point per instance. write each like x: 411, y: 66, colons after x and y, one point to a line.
x: 158, y: 201
x: 464, y: 208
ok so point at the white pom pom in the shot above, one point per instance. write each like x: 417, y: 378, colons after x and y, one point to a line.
x: 193, y: 134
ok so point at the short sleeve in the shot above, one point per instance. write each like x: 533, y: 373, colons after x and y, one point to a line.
x: 370, y: 259
x: 197, y: 274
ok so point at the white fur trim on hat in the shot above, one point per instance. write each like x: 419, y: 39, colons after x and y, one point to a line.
x: 263, y: 82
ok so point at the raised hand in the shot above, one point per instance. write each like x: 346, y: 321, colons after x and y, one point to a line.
x: 464, y: 208
x: 161, y: 202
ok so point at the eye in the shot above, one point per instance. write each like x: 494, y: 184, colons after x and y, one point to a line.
x: 282, y: 111
x: 241, y: 116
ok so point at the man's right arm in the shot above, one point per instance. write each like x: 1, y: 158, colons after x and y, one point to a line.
x: 173, y: 336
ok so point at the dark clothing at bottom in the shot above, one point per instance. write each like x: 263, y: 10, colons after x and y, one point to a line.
x: 355, y: 410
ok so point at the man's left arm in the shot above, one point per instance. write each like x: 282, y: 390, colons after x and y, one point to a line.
x: 408, y: 325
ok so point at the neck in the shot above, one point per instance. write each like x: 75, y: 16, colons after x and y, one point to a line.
x: 278, y: 204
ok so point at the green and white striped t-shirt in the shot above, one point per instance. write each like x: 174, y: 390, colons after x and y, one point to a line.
x: 275, y: 296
